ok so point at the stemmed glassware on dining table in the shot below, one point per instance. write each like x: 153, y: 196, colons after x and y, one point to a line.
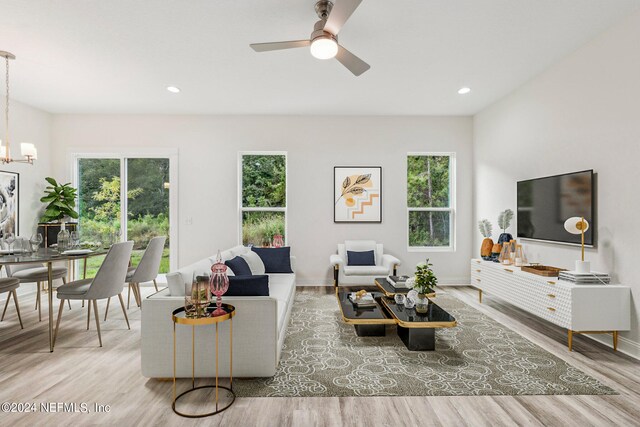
x: 36, y: 241
x: 10, y: 238
x: 75, y: 239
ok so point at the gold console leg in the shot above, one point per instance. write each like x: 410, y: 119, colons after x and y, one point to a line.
x: 480, y: 296
x: 570, y: 339
x: 615, y: 340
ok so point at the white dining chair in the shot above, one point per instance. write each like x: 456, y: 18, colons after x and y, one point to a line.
x: 147, y: 269
x: 108, y: 282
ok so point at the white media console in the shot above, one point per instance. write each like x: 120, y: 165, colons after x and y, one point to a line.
x: 591, y: 309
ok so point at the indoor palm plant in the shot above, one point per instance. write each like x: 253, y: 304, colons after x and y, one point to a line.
x: 61, y: 201
x: 423, y: 283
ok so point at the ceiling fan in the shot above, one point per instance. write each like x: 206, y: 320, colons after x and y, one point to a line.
x: 324, y: 38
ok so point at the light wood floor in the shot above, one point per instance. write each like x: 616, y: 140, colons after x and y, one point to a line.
x: 79, y: 371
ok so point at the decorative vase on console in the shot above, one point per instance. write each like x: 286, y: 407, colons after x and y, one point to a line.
x: 219, y: 283
x: 200, y: 294
x: 504, y: 221
x: 423, y: 283
x: 486, y: 229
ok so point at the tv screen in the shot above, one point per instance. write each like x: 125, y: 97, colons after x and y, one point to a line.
x: 544, y: 204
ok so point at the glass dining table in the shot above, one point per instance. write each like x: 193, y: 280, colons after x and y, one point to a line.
x: 49, y: 256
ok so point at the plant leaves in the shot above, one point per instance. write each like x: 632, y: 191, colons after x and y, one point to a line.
x: 356, y: 190
x: 51, y: 181
x: 346, y: 183
x: 363, y: 179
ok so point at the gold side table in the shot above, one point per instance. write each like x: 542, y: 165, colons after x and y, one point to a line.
x: 179, y: 317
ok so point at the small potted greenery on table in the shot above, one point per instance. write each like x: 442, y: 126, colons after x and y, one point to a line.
x: 423, y: 283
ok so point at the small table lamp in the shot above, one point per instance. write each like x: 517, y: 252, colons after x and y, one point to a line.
x: 579, y: 225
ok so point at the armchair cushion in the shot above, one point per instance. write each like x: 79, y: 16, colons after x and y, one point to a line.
x: 361, y: 258
x: 276, y: 260
x: 369, y: 270
x: 239, y: 266
x: 365, y: 245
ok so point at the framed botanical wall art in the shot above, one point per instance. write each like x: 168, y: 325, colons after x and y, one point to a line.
x: 357, y: 194
x: 9, y: 203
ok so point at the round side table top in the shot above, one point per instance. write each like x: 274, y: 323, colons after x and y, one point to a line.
x: 179, y: 315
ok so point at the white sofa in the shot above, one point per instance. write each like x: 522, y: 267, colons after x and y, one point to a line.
x: 344, y: 274
x: 259, y: 328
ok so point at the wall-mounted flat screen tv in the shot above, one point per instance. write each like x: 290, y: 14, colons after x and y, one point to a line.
x: 544, y: 204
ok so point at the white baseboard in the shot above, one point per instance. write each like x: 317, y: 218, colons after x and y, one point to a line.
x: 625, y: 345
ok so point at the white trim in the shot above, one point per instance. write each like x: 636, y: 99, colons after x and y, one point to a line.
x: 284, y: 209
x: 452, y: 203
x: 74, y: 154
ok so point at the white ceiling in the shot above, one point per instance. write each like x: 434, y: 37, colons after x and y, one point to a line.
x: 117, y: 56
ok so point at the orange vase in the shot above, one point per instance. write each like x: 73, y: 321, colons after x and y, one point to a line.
x: 485, y: 249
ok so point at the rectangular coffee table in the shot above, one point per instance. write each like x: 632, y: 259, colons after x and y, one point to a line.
x: 368, y: 321
x: 417, y: 331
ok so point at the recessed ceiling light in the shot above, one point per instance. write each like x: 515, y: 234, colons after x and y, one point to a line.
x: 173, y: 89
x: 464, y: 90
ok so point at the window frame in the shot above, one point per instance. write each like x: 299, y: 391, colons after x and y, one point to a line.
x: 452, y: 202
x: 74, y: 155
x: 242, y: 209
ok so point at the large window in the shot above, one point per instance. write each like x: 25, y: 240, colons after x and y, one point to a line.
x: 431, y: 201
x: 122, y: 198
x: 263, y: 197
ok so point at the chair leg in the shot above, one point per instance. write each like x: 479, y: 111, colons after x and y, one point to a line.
x: 128, y: 295
x: 39, y: 303
x: 88, y: 314
x: 37, y: 295
x: 15, y: 301
x: 139, y: 294
x: 95, y: 311
x: 55, y: 332
x: 123, y: 310
x: 107, y: 309
x: 155, y: 284
x: 64, y: 282
x: 6, y: 305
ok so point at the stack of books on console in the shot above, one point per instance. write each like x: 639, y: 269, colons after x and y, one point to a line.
x: 398, y: 282
x: 592, y: 278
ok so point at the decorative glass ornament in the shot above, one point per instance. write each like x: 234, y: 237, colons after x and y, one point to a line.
x: 505, y: 257
x: 200, y: 294
x: 278, y: 241
x: 219, y: 283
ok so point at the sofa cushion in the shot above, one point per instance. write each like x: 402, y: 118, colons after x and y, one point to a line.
x: 244, y: 286
x: 276, y: 260
x: 239, y: 266
x: 361, y: 258
x: 176, y: 281
x: 255, y: 263
x: 357, y: 270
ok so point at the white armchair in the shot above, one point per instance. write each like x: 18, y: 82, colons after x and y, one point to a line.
x: 345, y: 274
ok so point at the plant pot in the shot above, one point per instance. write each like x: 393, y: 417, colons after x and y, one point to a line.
x: 422, y: 304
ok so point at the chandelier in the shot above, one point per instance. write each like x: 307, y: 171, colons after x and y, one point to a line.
x: 27, y: 150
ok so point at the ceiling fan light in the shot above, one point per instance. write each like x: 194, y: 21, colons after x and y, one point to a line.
x: 324, y: 48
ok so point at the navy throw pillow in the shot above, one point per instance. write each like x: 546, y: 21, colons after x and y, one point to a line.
x: 248, y: 286
x: 239, y: 266
x: 361, y: 258
x: 275, y: 260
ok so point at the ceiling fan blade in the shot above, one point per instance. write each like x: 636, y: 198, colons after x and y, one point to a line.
x: 341, y: 11
x: 265, y: 47
x: 354, y: 64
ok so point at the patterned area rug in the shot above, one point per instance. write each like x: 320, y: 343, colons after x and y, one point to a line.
x: 322, y: 356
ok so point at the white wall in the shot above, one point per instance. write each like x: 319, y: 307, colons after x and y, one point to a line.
x: 208, y: 152
x: 580, y: 114
x: 28, y: 124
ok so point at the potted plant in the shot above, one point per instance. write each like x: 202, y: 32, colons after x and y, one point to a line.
x: 423, y: 283
x: 486, y: 229
x: 504, y: 221
x: 61, y: 202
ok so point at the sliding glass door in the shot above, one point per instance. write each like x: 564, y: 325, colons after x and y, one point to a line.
x: 125, y: 198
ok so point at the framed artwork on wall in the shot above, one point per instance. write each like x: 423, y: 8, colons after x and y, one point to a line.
x: 9, y: 203
x: 357, y: 194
